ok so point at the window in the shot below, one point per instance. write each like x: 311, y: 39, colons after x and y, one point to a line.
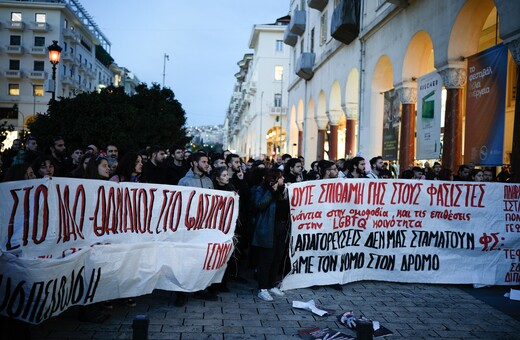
x: 65, y: 24
x: 15, y: 40
x: 39, y: 65
x: 14, y: 65
x: 38, y: 90
x: 71, y: 51
x: 40, y: 17
x: 64, y: 69
x: 80, y: 58
x: 323, y: 29
x: 14, y: 89
x: 301, y: 46
x: 65, y: 45
x: 16, y: 16
x: 39, y: 41
x: 278, y: 73
x: 312, y: 40
x: 279, y: 46
x: 277, y: 100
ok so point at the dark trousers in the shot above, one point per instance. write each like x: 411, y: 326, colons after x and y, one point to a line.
x: 269, y: 261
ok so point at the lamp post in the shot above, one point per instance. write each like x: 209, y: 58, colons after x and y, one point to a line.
x: 54, y: 58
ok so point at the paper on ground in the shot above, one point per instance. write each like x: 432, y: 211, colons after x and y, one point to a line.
x: 309, y: 305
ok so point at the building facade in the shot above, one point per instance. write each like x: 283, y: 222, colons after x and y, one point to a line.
x: 341, y: 70
x: 27, y: 28
x: 257, y: 114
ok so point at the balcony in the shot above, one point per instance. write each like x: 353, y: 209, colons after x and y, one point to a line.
x: 317, y: 4
x: 65, y: 80
x: 297, y: 24
x: 344, y: 25
x: 39, y: 50
x: 66, y: 56
x: 38, y: 75
x: 14, y: 49
x: 12, y: 74
x: 276, y: 110
x: 305, y: 64
x: 16, y: 25
x: 289, y: 38
x: 40, y: 26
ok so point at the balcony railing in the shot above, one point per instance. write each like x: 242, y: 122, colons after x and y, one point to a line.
x: 289, y: 38
x: 16, y: 25
x: 14, y: 49
x: 38, y: 75
x: 305, y: 65
x: 40, y: 26
x: 66, y: 56
x: 297, y: 24
x: 344, y: 25
x: 38, y: 50
x: 317, y: 4
x: 12, y: 74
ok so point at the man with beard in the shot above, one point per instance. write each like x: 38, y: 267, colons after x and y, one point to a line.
x: 434, y: 174
x: 176, y: 166
x: 153, y: 169
x: 112, y: 151
x: 197, y: 176
x: 237, y: 179
x: 356, y: 168
x: 58, y: 151
x: 377, y: 166
x: 293, y: 171
x: 464, y: 173
x: 10, y: 154
x: 328, y: 169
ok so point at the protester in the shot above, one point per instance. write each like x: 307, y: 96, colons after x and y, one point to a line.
x: 19, y: 172
x: 43, y: 166
x: 129, y: 169
x: 81, y: 168
x: 97, y: 168
x: 270, y: 232
x: 477, y: 175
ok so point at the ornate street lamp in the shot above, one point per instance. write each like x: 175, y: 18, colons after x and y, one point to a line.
x: 54, y: 58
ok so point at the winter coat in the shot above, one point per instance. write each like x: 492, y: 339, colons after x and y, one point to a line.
x: 193, y: 180
x: 265, y: 206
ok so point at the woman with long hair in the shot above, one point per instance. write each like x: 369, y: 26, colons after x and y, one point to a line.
x: 43, y: 166
x: 81, y: 169
x: 129, y: 169
x: 272, y: 220
x: 19, y: 172
x: 97, y: 168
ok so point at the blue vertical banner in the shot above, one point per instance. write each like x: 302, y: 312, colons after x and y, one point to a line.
x: 485, y: 106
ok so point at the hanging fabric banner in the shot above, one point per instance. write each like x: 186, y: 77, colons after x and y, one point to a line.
x: 485, y: 107
x: 392, y: 120
x: 429, y: 99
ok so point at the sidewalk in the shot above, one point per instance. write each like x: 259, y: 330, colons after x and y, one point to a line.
x: 411, y: 311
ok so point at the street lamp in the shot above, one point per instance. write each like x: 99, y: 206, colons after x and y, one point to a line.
x: 54, y: 58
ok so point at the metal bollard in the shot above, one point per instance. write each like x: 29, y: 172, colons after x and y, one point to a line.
x: 365, y: 330
x: 140, y: 326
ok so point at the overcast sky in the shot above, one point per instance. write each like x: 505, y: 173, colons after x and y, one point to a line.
x: 203, y: 38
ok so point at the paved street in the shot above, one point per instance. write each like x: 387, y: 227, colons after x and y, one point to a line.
x: 411, y: 311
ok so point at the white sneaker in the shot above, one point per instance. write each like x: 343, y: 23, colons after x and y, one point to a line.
x: 264, y: 295
x: 276, y: 291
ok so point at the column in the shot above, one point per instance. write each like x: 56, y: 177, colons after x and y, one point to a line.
x: 321, y: 122
x: 334, y: 117
x: 454, y: 79
x: 351, y: 110
x: 408, y: 96
x: 514, y: 48
x: 300, y: 137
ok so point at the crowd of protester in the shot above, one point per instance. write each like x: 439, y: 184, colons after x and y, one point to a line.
x: 263, y: 224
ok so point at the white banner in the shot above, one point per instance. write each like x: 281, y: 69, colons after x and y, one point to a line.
x: 429, y: 100
x: 71, y: 242
x: 404, y: 231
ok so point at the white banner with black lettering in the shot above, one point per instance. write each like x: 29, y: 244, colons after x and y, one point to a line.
x: 71, y: 242
x: 404, y: 231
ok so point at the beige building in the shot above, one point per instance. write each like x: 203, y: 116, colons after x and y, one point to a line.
x: 257, y: 114
x: 27, y: 28
x: 340, y: 70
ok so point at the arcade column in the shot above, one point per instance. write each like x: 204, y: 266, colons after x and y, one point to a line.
x: 454, y: 79
x: 299, y: 123
x: 408, y: 96
x: 334, y: 117
x: 321, y: 122
x: 351, y: 110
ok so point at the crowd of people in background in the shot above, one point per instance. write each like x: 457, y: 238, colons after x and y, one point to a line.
x: 263, y: 224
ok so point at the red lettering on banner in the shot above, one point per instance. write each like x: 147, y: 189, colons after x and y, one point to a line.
x: 216, y: 255
x: 170, y: 206
x: 302, y: 196
x: 343, y: 192
x: 406, y: 193
x: 67, y: 219
x: 216, y: 213
x: 455, y: 195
